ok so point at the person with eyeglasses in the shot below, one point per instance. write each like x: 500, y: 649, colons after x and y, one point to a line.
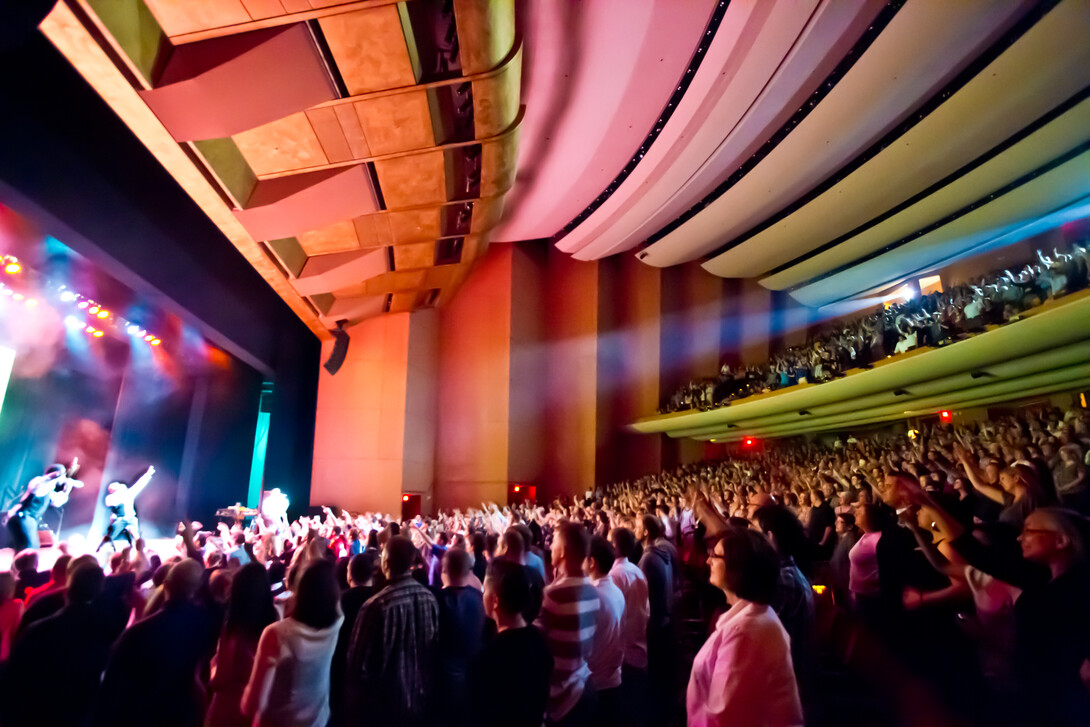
x: 1052, y: 614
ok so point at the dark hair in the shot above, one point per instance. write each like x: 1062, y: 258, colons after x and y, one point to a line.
x: 457, y: 563
x: 511, y: 585
x: 250, y: 608
x: 372, y: 539
x: 60, y: 568
x: 277, y: 571
x: 779, y: 521
x: 85, y: 583
x: 576, y: 542
x: 400, y: 555
x: 652, y: 526
x: 340, y: 571
x: 514, y: 543
x: 317, y: 597
x: 601, y: 552
x: 625, y: 542
x: 848, y: 518
x: 361, y: 568
x: 478, y: 543
x: 752, y: 566
x: 526, y: 533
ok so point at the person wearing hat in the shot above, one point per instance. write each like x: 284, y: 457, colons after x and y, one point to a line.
x: 121, y: 502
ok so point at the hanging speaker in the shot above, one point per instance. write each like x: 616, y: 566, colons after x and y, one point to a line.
x: 340, y: 348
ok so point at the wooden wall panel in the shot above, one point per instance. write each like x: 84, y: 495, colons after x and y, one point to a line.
x: 498, y: 164
x: 486, y: 33
x: 327, y: 127
x: 177, y: 17
x: 415, y: 225
x: 415, y: 255
x: 496, y: 99
x: 338, y: 237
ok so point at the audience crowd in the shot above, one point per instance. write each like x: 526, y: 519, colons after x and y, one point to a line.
x: 934, y: 319
x: 957, y: 555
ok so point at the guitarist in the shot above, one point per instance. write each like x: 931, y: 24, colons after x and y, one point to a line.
x: 24, y: 515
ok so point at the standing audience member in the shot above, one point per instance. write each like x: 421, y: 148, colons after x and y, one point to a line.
x: 11, y: 610
x: 249, y: 610
x: 743, y: 674
x: 391, y: 657
x: 637, y: 612
x: 513, y: 547
x: 607, y: 654
x: 567, y: 620
x: 658, y: 567
x: 27, y: 576
x: 289, y: 685
x: 510, y: 677
x: 77, y: 633
x: 461, y: 635
x: 361, y: 586
x: 152, y: 675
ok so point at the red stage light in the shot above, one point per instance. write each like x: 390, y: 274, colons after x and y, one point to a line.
x: 404, y: 498
x: 945, y: 415
x: 517, y: 488
x: 13, y: 268
x: 749, y: 442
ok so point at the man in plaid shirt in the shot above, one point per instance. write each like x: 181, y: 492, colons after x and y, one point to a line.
x: 391, y: 655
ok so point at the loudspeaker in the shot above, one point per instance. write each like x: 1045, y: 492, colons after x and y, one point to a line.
x: 340, y: 348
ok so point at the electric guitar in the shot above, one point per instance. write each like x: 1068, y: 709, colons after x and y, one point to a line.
x: 59, y: 496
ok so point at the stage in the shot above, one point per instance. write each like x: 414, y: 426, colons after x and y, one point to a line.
x: 77, y: 546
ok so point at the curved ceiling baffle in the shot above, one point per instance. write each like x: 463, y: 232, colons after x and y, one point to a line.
x: 885, y: 86
x: 765, y: 60
x: 1045, y: 352
x: 361, y: 149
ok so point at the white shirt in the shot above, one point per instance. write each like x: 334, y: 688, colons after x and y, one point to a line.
x: 743, y: 674
x: 297, y: 690
x: 628, y: 577
x: 607, y: 654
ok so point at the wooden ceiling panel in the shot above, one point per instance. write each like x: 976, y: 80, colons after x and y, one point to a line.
x: 395, y: 123
x: 187, y: 16
x: 260, y: 9
x: 353, y: 132
x: 486, y: 33
x: 496, y: 99
x: 486, y: 213
x: 327, y: 127
x: 403, y: 302
x: 370, y: 48
x: 338, y: 237
x: 373, y: 230
x: 415, y: 225
x: 283, y: 145
x: 415, y: 180
x: 499, y: 160
x: 414, y: 256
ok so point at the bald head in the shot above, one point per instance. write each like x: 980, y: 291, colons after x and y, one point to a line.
x: 183, y: 580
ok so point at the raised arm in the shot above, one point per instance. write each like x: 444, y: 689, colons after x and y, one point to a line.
x: 976, y: 478
x: 141, y: 483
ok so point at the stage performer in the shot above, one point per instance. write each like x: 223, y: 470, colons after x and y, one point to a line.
x: 274, y: 511
x: 24, y: 515
x: 120, y: 501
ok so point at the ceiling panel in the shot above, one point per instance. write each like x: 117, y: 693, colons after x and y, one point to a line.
x: 1039, y: 72
x: 370, y: 49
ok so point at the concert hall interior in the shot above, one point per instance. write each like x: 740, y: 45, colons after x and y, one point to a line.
x: 280, y: 278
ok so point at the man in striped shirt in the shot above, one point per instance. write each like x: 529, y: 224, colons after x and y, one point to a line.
x: 568, y: 617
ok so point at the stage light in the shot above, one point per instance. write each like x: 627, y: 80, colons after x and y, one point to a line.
x: 18, y: 296
x: 155, y: 342
x: 31, y: 302
x: 13, y: 268
x: 98, y: 334
x: 73, y: 322
x: 90, y: 329
x: 404, y: 498
x: 8, y: 291
x: 945, y: 416
x: 132, y: 329
x: 517, y: 488
x: 93, y: 310
x: 68, y: 296
x: 149, y: 338
x: 103, y: 313
x: 82, y: 304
